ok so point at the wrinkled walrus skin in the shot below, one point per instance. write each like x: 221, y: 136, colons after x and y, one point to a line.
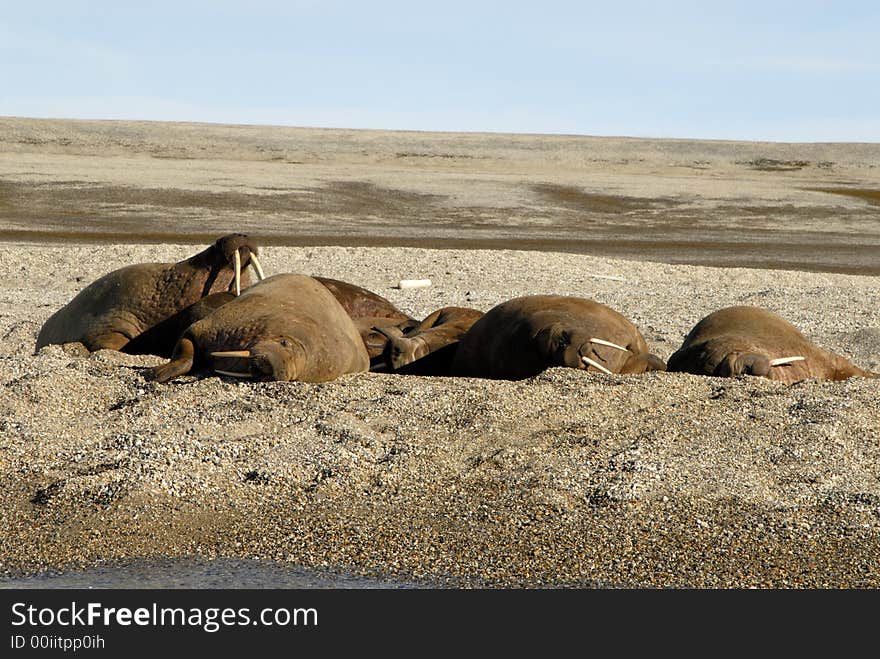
x: 428, y: 348
x: 287, y: 327
x: 521, y: 337
x: 123, y: 304
x: 161, y: 338
x: 746, y: 340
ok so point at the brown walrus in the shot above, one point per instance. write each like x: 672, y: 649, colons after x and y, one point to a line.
x: 365, y: 308
x: 121, y: 305
x: 359, y: 302
x: 522, y: 337
x: 753, y: 341
x: 428, y: 348
x: 287, y: 327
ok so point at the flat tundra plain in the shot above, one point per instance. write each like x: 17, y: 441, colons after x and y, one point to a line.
x: 565, y: 479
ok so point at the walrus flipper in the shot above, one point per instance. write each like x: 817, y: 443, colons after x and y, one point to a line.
x: 181, y: 363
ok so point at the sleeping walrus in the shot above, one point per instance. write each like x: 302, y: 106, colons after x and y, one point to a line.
x: 427, y: 348
x: 522, y: 337
x: 753, y: 341
x: 365, y: 308
x: 286, y: 327
x: 121, y: 305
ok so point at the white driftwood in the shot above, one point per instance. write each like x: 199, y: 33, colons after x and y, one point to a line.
x: 414, y: 283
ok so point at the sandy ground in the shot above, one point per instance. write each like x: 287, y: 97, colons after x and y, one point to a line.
x: 563, y: 479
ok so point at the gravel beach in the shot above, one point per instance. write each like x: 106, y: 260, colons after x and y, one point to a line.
x: 565, y: 479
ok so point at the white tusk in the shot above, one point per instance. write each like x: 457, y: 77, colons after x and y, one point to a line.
x: 376, y: 367
x: 237, y: 273
x: 231, y: 353
x: 786, y: 360
x: 590, y: 362
x: 232, y: 374
x: 602, y: 342
x: 257, y: 267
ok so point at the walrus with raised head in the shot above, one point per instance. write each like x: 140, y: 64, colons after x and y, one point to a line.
x: 753, y: 341
x: 123, y: 304
x: 521, y: 337
x: 427, y: 348
x: 287, y: 327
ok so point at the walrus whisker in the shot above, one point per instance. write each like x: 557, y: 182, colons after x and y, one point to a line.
x: 237, y: 259
x: 232, y: 374
x: 594, y: 364
x: 603, y: 342
x: 231, y: 353
x: 257, y: 267
x: 782, y: 361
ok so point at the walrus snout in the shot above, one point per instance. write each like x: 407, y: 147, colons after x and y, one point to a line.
x: 595, y: 352
x: 239, y: 251
x: 749, y: 363
x: 280, y: 359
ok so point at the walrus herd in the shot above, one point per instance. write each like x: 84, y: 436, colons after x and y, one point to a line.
x: 205, y: 314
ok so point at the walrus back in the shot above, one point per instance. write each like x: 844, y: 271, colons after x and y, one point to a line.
x: 104, y: 305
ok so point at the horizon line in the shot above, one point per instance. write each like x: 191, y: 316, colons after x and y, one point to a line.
x: 434, y: 131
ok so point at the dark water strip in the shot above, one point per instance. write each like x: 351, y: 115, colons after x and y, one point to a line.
x: 831, y: 255
x: 196, y: 572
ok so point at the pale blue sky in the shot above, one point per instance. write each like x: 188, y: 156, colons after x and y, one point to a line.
x: 784, y: 71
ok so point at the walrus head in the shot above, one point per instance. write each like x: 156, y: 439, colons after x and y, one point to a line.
x: 280, y: 359
x: 401, y: 350
x: 239, y: 251
x: 576, y: 348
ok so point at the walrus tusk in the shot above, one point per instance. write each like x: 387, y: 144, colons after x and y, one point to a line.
x: 376, y: 367
x: 232, y: 374
x: 237, y: 273
x: 231, y: 353
x: 603, y: 342
x: 786, y: 360
x: 257, y: 267
x: 590, y: 362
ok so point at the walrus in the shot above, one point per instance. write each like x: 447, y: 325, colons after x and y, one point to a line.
x: 367, y: 309
x: 427, y: 348
x: 521, y: 337
x: 121, y: 305
x: 357, y: 301
x: 286, y: 327
x: 753, y: 341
